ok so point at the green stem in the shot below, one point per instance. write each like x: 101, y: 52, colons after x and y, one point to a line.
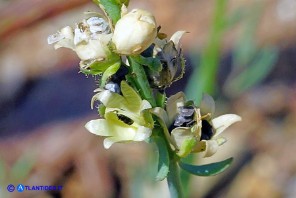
x: 174, y: 180
x: 139, y: 78
x: 173, y: 177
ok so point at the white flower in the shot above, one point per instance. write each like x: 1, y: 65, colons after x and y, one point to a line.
x: 211, y: 128
x: 125, y: 117
x: 134, y: 32
x: 90, y: 40
x: 195, y: 130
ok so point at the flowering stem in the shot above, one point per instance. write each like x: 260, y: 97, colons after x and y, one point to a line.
x: 173, y: 175
x: 174, y: 180
x: 138, y: 77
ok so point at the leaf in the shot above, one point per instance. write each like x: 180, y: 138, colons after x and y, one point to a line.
x: 112, y: 8
x: 160, y: 99
x: 207, y: 169
x: 152, y: 63
x: 163, y: 161
x: 109, y: 72
x: 139, y: 79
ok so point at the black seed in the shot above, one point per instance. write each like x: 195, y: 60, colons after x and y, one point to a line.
x: 207, y: 130
x: 125, y: 119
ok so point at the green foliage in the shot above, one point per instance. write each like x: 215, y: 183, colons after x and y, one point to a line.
x: 109, y: 72
x: 112, y: 8
x: 139, y: 79
x: 163, y: 159
x: 207, y: 169
x: 153, y: 64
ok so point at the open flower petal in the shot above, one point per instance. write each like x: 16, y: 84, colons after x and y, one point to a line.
x: 142, y: 133
x: 180, y: 134
x: 176, y: 37
x: 209, y: 147
x: 63, y: 38
x: 173, y: 103
x: 111, y: 126
x: 109, y: 99
x: 117, y: 130
x: 222, y: 122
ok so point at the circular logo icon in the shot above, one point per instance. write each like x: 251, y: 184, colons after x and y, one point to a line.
x: 20, y: 188
x: 10, y: 188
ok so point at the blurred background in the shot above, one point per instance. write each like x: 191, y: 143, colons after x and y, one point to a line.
x: 243, y: 53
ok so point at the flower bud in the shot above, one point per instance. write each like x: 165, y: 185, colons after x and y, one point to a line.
x: 134, y: 32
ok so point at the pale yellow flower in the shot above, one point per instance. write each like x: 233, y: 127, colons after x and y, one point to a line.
x: 194, y: 129
x: 126, y: 117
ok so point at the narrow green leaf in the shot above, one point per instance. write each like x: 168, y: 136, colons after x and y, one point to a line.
x: 153, y: 63
x: 163, y: 161
x: 160, y: 99
x: 207, y: 169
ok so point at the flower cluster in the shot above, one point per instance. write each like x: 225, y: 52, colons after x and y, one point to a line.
x: 136, y: 63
